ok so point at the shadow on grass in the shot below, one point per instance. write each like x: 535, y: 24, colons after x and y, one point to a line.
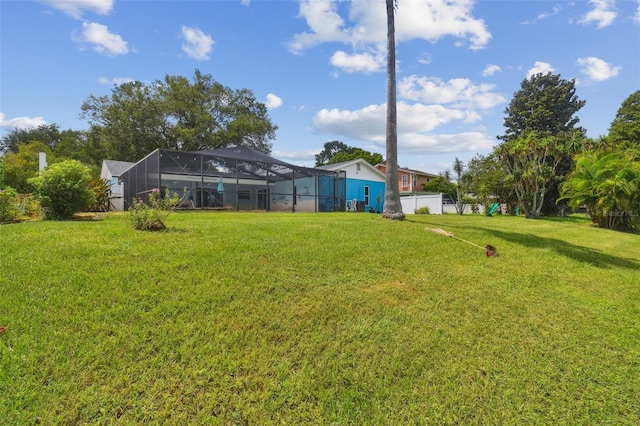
x: 579, y: 253
x: 572, y: 251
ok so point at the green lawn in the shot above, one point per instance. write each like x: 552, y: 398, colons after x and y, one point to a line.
x: 329, y: 318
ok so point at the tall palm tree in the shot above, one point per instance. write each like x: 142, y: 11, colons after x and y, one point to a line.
x: 392, y: 205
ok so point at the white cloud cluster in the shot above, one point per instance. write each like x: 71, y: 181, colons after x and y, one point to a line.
x: 540, y: 68
x: 597, y: 69
x: 115, y: 81
x: 459, y: 92
x: 76, y: 8
x: 636, y: 17
x: 101, y: 39
x: 197, y: 45
x: 366, y: 28
x: 21, y: 123
x: 358, y: 62
x: 415, y: 121
x: 490, y: 70
x: 603, y: 13
x: 273, y: 101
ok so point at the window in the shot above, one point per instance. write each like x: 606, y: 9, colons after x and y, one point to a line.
x: 358, y: 167
x: 405, y: 181
x: 415, y: 181
x: 366, y: 195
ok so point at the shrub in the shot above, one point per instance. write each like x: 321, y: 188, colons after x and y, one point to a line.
x: 29, y: 206
x: 102, y: 191
x: 608, y: 184
x: 64, y: 189
x: 422, y: 210
x: 9, y: 211
x: 1, y: 173
x: 150, y: 216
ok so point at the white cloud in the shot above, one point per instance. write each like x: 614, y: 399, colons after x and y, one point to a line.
x: 115, y: 81
x: 325, y: 23
x: 102, y: 40
x: 21, y: 123
x: 554, y: 11
x: 425, y: 59
x: 603, y: 13
x: 76, y: 8
x: 367, y: 25
x: 273, y: 101
x: 596, y: 69
x: 490, y: 70
x: 459, y: 92
x: 297, y: 157
x: 636, y: 17
x: 358, y: 62
x: 197, y: 44
x: 540, y: 68
x: 369, y: 122
x: 444, y: 143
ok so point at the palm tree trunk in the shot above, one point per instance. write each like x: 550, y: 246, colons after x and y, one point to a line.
x: 392, y: 205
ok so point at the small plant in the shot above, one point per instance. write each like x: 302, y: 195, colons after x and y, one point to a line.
x: 102, y: 191
x: 9, y: 211
x: 422, y: 210
x: 150, y: 216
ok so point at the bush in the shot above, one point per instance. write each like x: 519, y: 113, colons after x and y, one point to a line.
x: 150, y: 216
x: 422, y: 210
x: 29, y: 206
x: 9, y: 211
x: 64, y: 189
x: 102, y: 191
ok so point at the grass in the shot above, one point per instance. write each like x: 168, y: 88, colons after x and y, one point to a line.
x: 268, y: 318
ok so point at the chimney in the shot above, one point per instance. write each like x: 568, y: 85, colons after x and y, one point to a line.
x: 42, y: 161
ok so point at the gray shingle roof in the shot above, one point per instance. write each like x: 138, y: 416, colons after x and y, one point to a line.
x: 117, y: 168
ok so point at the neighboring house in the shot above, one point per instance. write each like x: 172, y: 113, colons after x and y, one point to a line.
x: 111, y: 171
x: 365, y: 185
x: 409, y: 180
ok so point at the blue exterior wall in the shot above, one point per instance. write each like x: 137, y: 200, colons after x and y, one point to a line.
x: 355, y: 191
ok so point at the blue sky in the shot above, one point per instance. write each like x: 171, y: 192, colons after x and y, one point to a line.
x: 320, y: 65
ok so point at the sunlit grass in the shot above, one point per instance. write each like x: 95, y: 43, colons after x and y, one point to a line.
x: 265, y: 318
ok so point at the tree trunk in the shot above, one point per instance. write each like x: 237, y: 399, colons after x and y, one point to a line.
x: 392, y: 205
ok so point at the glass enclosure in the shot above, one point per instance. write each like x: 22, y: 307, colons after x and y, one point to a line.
x: 239, y: 178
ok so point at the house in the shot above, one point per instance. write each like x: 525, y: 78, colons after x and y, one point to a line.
x: 409, y: 180
x: 365, y: 185
x: 240, y: 178
x: 111, y: 171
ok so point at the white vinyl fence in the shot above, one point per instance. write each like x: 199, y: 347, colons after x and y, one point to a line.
x: 413, y: 202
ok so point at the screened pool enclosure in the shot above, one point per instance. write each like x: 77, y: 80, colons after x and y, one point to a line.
x: 240, y: 178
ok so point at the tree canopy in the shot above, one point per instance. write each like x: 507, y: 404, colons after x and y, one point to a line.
x: 338, y: 152
x: 22, y: 165
x: 330, y: 149
x: 545, y: 104
x: 177, y: 113
x: 540, y: 139
x: 625, y: 128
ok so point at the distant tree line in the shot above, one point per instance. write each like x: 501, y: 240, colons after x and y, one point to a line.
x: 137, y: 118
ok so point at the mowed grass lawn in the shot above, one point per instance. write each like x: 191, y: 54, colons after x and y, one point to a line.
x: 345, y: 318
